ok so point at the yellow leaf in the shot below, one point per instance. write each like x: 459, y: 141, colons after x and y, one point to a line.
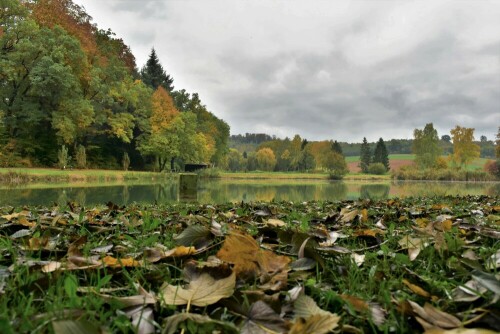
x: 275, y: 223
x: 203, y: 290
x: 416, y: 289
x: 110, y: 261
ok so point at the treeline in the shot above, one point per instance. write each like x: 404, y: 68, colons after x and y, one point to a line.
x: 430, y: 164
x: 291, y: 155
x: 250, y: 142
x: 67, y: 85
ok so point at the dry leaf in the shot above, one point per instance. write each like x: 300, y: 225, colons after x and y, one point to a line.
x: 414, y: 245
x: 416, y: 289
x: 348, y: 216
x: 432, y: 317
x: 375, y: 310
x: 172, y: 323
x: 358, y: 259
x: 459, y: 331
x: 275, y: 222
x: 262, y: 319
x: 203, y: 290
x: 311, y: 319
x: 110, y: 261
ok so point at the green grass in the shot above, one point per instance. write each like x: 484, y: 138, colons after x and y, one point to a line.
x: 34, y: 301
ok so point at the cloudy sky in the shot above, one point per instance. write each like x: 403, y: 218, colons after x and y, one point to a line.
x: 324, y: 69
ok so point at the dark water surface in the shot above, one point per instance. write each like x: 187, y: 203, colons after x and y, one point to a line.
x: 220, y: 191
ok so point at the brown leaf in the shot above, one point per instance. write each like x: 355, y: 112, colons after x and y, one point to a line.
x: 459, y: 331
x: 262, y: 319
x: 249, y: 260
x: 275, y: 223
x: 375, y: 310
x: 432, y: 317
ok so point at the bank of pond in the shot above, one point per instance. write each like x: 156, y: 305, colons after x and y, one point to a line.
x: 233, y: 190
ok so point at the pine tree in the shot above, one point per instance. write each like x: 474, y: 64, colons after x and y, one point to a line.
x: 365, y: 156
x: 153, y: 74
x: 336, y: 148
x: 380, y: 154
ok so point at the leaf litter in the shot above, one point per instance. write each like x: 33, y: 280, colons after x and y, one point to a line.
x: 398, y: 265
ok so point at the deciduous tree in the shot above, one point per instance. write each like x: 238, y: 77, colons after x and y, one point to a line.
x: 266, y: 159
x: 464, y: 148
x: 426, y: 146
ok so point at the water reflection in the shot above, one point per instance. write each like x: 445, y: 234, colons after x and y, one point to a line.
x: 238, y: 190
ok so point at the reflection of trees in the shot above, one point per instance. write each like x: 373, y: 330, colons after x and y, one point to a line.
x: 493, y: 190
x: 374, y: 191
x: 80, y: 196
x: 429, y: 188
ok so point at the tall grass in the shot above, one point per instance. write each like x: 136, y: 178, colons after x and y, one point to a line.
x: 412, y: 173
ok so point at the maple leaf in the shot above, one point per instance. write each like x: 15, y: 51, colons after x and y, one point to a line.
x: 202, y: 290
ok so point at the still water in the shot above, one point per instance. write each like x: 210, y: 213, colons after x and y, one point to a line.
x: 220, y: 191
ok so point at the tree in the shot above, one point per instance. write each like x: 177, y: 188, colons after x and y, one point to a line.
x: 153, y: 74
x: 464, y: 148
x: 426, y: 146
x: 483, y: 139
x: 364, y: 156
x: 497, y: 142
x: 81, y: 157
x: 234, y: 160
x: 335, y: 163
x: 446, y: 138
x: 266, y: 160
x: 306, y: 161
x: 380, y: 154
x: 336, y: 147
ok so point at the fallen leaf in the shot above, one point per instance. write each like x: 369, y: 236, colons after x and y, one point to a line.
x: 493, y: 262
x: 376, y: 312
x: 414, y: 245
x: 471, y: 291
x: 172, y: 323
x: 74, y: 327
x: 459, y: 331
x: 275, y: 222
x: 432, y: 317
x: 416, y: 289
x: 349, y: 216
x: 262, y: 319
x: 311, y: 319
x: 110, y: 261
x: 203, y: 290
x: 142, y: 319
x: 359, y: 259
x: 489, y: 281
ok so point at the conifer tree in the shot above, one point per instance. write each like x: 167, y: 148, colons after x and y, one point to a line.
x: 380, y: 154
x: 336, y: 148
x: 365, y: 156
x: 153, y: 74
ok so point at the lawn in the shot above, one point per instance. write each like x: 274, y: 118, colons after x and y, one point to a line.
x: 399, y: 265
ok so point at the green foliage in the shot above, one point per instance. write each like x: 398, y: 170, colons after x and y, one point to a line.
x: 125, y: 161
x: 426, y: 146
x: 306, y: 161
x: 377, y: 168
x: 81, y: 157
x: 336, y: 147
x: 364, y: 156
x: 63, y: 158
x: 380, y: 154
x: 66, y: 81
x: 464, y: 149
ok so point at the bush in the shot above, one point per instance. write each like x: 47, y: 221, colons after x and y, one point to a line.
x: 336, y: 175
x: 377, y: 168
x: 413, y: 173
x: 125, y: 161
x: 441, y: 163
x: 492, y: 167
x: 81, y: 157
x: 63, y: 158
x: 209, y: 173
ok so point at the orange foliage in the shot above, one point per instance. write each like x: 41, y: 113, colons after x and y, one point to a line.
x: 163, y: 110
x: 70, y: 17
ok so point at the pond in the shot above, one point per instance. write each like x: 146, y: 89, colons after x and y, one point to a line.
x: 227, y: 190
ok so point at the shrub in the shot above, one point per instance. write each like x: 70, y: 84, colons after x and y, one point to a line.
x: 377, y: 168
x: 441, y: 163
x: 336, y: 175
x: 492, y: 167
x: 209, y: 173
x: 81, y: 157
x: 125, y: 161
x: 63, y: 158
x: 412, y: 173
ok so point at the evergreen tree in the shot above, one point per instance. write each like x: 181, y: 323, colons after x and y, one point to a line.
x: 364, y: 156
x: 153, y: 74
x: 380, y: 154
x: 336, y: 148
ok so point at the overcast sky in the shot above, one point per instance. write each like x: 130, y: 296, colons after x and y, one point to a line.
x: 324, y: 69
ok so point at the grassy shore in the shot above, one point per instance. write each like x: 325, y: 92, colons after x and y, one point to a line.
x: 20, y: 175
x: 398, y: 265
x: 298, y: 176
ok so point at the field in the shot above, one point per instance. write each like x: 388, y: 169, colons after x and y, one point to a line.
x: 399, y: 265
